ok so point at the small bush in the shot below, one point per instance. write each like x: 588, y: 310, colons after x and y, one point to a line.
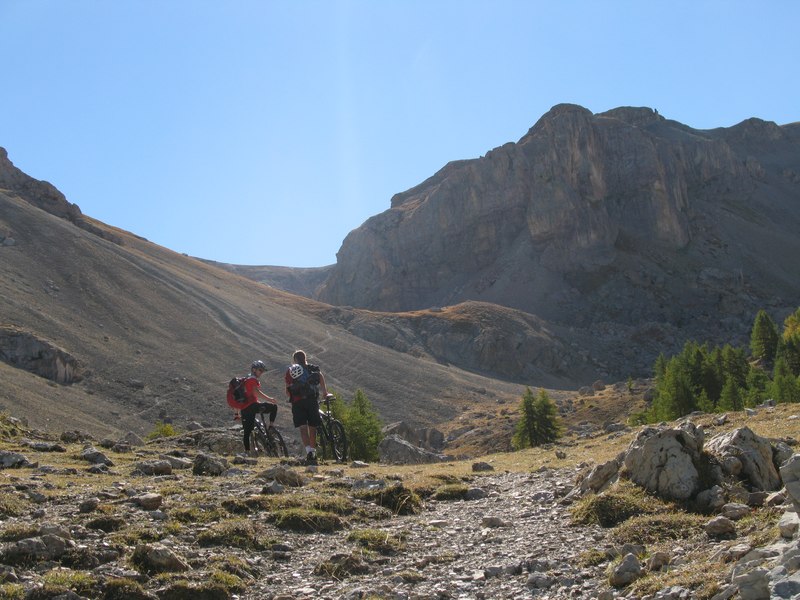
x: 162, y: 430
x: 307, y: 520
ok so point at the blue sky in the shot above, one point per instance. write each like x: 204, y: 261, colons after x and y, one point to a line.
x: 262, y: 132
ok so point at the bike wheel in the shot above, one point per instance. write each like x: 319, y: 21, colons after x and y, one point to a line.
x: 338, y: 441
x: 260, y: 442
x: 277, y: 443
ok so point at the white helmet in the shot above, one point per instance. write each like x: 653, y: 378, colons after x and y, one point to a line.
x: 295, y: 371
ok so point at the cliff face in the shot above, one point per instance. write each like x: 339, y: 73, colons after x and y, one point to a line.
x: 622, y: 217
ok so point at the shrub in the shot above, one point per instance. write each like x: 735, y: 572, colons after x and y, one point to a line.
x: 162, y: 430
x: 307, y: 520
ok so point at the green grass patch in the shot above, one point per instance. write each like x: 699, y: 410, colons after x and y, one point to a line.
x: 397, y: 498
x: 12, y: 591
x: 654, y: 529
x: 66, y: 579
x: 615, y: 505
x: 330, y: 503
x: 240, y: 533
x: 451, y: 491
x: 699, y: 576
x: 195, y: 514
x: 592, y: 558
x: 12, y: 505
x: 18, y: 531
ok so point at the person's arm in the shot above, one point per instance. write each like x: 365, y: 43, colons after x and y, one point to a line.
x: 263, y: 395
x: 322, y: 387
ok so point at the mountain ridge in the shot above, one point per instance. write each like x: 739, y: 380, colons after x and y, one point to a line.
x: 606, y: 227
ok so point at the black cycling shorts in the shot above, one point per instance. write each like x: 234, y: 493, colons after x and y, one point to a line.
x: 306, y: 412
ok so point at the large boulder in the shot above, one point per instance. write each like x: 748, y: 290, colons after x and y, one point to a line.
x: 395, y: 450
x: 790, y: 472
x: 669, y: 462
x: 427, y: 438
x: 752, y: 455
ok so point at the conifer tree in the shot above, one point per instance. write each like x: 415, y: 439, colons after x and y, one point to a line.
x: 764, y: 338
x: 731, y: 397
x: 538, y: 422
x: 363, y: 428
x: 674, y: 394
x: 525, y: 430
x: 756, y: 387
x: 784, y: 387
x: 790, y: 342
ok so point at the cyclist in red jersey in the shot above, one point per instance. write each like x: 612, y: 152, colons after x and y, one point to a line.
x: 252, y: 406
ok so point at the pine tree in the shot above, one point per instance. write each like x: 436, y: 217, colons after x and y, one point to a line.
x: 756, y: 388
x: 674, y: 395
x: 363, y: 427
x: 549, y: 429
x: 790, y: 342
x: 731, y: 397
x: 525, y: 431
x: 764, y: 338
x: 784, y: 387
x: 538, y: 422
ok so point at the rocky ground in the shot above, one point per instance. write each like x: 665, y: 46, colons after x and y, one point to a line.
x: 185, y: 518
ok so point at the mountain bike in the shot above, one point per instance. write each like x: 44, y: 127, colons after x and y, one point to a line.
x: 332, y: 440
x: 267, y: 440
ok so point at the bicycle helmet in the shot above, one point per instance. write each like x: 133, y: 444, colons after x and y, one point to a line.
x: 295, y: 371
x: 258, y: 364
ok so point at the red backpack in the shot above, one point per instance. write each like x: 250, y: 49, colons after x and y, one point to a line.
x: 235, y: 397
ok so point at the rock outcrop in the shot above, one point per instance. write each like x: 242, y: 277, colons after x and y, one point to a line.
x: 44, y: 195
x: 623, y: 226
x: 27, y: 351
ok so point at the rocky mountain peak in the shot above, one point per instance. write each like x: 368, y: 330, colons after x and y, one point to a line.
x: 614, y: 218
